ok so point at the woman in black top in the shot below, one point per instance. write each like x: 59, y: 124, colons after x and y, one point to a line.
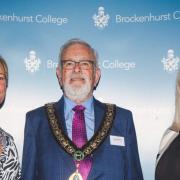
x: 168, y: 158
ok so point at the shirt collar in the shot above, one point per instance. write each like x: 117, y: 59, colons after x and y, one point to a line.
x: 69, y: 104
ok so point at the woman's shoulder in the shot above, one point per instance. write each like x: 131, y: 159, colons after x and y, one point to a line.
x: 5, y: 135
x: 168, y: 137
x: 10, y: 166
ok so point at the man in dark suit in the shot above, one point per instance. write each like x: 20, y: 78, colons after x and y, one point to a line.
x: 78, y: 137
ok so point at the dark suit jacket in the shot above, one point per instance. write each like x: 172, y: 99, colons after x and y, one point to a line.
x: 43, y: 158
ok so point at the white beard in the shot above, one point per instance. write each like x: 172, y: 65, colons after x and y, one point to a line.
x: 77, y: 93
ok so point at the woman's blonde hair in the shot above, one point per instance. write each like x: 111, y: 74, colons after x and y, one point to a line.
x: 176, y: 122
x: 4, y: 66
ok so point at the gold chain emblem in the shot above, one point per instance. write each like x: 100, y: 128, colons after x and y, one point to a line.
x: 80, y: 153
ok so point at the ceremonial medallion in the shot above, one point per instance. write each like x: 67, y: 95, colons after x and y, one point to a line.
x: 79, y: 154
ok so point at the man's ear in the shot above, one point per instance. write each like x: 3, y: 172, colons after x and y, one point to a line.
x: 97, y: 77
x: 58, y: 74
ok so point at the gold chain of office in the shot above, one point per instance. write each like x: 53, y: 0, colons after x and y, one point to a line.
x: 97, y: 139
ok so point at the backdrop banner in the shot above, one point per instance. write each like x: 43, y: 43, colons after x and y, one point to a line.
x: 139, y: 55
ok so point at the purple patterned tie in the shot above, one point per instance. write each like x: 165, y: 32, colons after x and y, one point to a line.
x: 79, y: 138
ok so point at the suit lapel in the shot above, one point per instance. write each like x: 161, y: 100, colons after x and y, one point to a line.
x: 60, y: 113
x: 99, y: 111
x: 66, y: 157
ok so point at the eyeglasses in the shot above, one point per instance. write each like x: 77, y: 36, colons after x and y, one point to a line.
x: 84, y: 64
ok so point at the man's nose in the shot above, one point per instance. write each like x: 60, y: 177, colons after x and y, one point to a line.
x: 77, y: 67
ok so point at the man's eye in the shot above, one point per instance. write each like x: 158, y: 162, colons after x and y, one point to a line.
x: 85, y: 63
x: 69, y: 64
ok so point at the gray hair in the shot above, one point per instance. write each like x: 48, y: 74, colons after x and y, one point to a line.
x: 77, y: 41
x: 176, y: 122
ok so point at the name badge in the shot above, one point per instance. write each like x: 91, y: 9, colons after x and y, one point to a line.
x: 117, y: 140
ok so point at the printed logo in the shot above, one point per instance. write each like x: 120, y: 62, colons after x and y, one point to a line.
x: 170, y: 62
x: 101, y: 20
x: 32, y: 62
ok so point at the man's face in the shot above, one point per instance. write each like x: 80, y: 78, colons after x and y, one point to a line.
x: 78, y: 82
x: 2, y: 85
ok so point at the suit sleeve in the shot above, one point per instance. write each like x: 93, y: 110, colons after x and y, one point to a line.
x: 134, y: 171
x: 29, y: 151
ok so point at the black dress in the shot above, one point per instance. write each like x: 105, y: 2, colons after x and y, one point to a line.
x: 168, y: 167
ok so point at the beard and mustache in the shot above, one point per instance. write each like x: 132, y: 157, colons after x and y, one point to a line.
x: 77, y: 92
